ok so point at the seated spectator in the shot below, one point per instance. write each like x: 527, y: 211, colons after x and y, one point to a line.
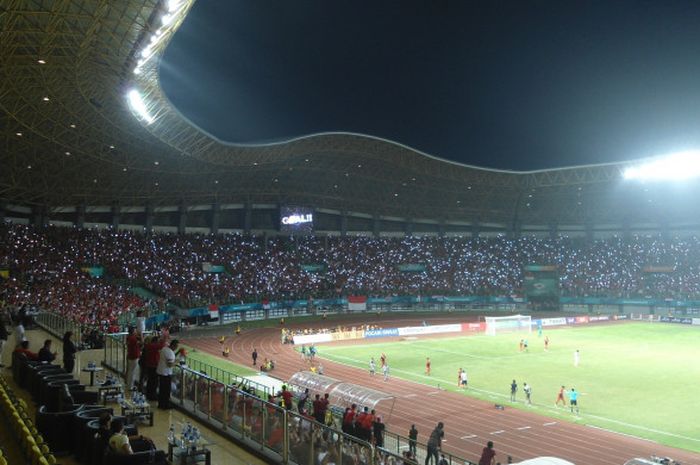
x: 45, y: 354
x: 121, y: 444
x: 23, y: 348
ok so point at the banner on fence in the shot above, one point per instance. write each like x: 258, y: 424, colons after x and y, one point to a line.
x: 357, y: 303
x: 382, y: 332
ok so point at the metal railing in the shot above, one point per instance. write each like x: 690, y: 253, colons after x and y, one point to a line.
x: 284, y: 436
x: 237, y: 407
x: 58, y: 325
x: 227, y: 377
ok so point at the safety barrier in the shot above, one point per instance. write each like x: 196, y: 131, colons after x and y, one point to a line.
x: 284, y: 436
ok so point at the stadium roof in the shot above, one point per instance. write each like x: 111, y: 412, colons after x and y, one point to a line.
x: 70, y: 136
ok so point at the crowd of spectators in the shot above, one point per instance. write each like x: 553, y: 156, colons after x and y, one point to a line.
x: 44, y: 267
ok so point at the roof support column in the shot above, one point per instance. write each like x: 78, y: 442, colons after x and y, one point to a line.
x: 116, y: 216
x: 248, y: 217
x: 343, y: 223
x: 375, y: 225
x: 215, y: 217
x: 3, y: 212
x: 80, y: 216
x: 39, y: 216
x: 182, y: 219
x: 476, y: 229
x: 409, y: 227
x: 148, y: 226
x: 441, y: 228
x: 553, y: 230
x: 589, y: 230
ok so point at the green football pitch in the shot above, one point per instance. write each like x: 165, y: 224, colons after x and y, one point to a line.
x: 635, y: 378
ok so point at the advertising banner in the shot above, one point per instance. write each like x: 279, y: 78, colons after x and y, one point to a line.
x: 383, y: 332
x: 696, y: 321
x: 411, y: 267
x: 553, y: 321
x: 348, y: 335
x: 435, y: 329
x: 581, y: 319
x: 474, y: 327
x: 675, y: 319
x: 313, y: 338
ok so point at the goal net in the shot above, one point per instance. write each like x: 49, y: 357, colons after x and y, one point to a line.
x: 508, y: 324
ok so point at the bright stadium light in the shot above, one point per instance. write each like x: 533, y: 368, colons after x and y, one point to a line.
x: 675, y: 167
x: 139, y: 106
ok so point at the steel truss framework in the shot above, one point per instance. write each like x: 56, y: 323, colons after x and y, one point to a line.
x: 68, y: 137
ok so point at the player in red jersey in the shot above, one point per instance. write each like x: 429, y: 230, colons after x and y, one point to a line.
x: 427, y: 366
x: 560, y: 397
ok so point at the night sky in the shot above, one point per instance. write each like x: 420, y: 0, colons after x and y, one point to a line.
x: 503, y: 84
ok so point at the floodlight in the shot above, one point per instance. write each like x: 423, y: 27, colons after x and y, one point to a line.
x: 173, y: 5
x: 139, y: 106
x: 675, y: 167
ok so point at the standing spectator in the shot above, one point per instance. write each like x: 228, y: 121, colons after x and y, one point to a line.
x: 45, y: 354
x: 385, y: 369
x: 19, y: 331
x: 513, y: 390
x: 435, y: 443
x: 317, y: 404
x: 255, y: 356
x: 69, y: 351
x: 378, y: 431
x: 488, y: 455
x: 301, y: 405
x: 133, y: 352
x: 151, y: 359
x: 3, y: 335
x: 140, y: 323
x: 286, y: 397
x: 165, y: 373
x: 412, y: 440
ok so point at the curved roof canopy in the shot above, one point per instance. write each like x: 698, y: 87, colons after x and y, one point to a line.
x: 83, y: 121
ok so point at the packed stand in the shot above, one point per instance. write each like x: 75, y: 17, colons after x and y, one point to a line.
x: 45, y: 267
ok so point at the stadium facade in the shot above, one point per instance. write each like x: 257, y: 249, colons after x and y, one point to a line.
x: 89, y: 138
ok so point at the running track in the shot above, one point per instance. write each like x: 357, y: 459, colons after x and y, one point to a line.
x: 469, y: 423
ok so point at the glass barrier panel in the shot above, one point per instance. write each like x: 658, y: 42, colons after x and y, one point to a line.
x: 217, y: 397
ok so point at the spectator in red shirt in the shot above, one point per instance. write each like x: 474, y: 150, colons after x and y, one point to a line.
x: 349, y: 420
x: 488, y: 455
x: 23, y: 348
x: 152, y: 357
x: 319, y: 414
x: 286, y: 398
x: 133, y: 352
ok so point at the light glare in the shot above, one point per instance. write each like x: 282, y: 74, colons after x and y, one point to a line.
x: 675, y: 167
x: 138, y: 105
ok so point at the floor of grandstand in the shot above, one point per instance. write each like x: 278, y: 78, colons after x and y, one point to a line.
x: 222, y: 452
x: 470, y: 423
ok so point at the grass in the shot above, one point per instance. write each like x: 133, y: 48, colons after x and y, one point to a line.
x: 635, y: 378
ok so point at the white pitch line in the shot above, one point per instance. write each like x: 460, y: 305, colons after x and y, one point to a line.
x: 468, y: 436
x: 523, y: 428
x: 498, y: 432
x: 408, y: 396
x: 433, y: 393
x: 550, y: 423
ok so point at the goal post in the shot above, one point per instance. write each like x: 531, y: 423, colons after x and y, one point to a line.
x: 508, y: 324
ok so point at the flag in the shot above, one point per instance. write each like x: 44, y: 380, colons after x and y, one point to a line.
x: 357, y: 302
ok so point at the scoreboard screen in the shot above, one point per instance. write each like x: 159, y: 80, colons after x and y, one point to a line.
x: 296, y: 220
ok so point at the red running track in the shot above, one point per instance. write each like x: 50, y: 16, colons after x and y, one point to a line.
x: 469, y: 423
